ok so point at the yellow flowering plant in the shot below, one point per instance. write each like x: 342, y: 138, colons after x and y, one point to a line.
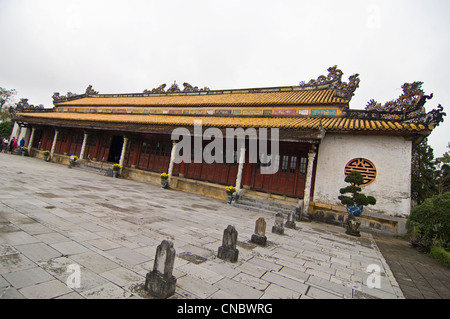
x: 230, y: 190
x: 164, y: 176
x: 117, y: 167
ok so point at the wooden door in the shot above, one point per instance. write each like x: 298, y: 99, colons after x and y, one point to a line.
x: 289, y: 179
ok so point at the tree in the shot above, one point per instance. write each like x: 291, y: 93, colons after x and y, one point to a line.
x: 5, y: 98
x: 423, y: 170
x: 6, y: 129
x: 443, y: 173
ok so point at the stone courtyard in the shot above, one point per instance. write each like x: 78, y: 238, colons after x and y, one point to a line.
x: 53, y: 219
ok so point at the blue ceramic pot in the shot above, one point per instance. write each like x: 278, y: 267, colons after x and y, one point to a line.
x: 355, y: 210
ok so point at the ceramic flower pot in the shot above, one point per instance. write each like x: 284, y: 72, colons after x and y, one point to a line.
x: 164, y: 183
x: 355, y: 210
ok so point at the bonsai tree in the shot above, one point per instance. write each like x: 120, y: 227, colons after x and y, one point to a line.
x: 356, y: 197
x: 355, y: 201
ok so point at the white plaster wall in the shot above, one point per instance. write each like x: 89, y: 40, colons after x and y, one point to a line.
x: 391, y: 156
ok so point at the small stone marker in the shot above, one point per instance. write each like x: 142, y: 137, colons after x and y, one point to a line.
x: 290, y: 223
x: 160, y: 282
x: 259, y: 237
x: 228, y: 251
x: 278, y: 228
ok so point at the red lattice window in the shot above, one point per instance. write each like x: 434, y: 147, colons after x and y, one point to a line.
x: 365, y: 167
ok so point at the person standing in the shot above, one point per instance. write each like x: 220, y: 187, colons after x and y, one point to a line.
x: 11, y: 145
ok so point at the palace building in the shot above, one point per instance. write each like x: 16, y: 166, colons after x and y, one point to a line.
x: 319, y: 139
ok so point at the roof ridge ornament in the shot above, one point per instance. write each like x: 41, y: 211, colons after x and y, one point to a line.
x: 62, y: 98
x: 408, y: 108
x: 175, y: 89
x: 90, y: 91
x: 334, y: 81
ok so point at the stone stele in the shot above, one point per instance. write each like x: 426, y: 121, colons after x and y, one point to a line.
x: 259, y: 237
x: 228, y: 251
x: 160, y: 282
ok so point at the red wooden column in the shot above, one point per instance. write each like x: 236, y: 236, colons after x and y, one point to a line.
x: 68, y: 142
x: 137, y: 151
x: 248, y: 170
x: 44, y: 140
x: 96, y: 149
x: 182, y: 169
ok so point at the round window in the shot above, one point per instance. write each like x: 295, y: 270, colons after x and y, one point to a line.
x: 365, y: 167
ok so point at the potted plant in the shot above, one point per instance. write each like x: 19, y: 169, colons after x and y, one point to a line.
x: 354, y: 201
x: 24, y: 150
x: 116, y: 169
x: 46, y: 155
x: 230, y: 192
x: 165, y: 180
x: 72, y: 160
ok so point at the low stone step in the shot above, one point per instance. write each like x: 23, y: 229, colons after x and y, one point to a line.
x: 267, y: 206
x: 259, y: 200
x: 255, y: 209
x: 91, y: 168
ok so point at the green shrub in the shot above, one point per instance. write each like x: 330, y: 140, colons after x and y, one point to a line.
x: 429, y: 223
x: 440, y: 254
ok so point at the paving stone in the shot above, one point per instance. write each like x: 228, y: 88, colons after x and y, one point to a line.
x: 238, y: 289
x: 285, y: 282
x: 251, y: 281
x: 69, y: 248
x: 198, y: 288
x: 51, y: 238
x: 35, y: 228
x: 28, y: 277
x: 106, y: 291
x: 330, y: 286
x: 128, y: 255
x: 317, y: 293
x: 95, y: 262
x: 9, y: 292
x: 122, y: 276
x: 6, y: 249
x: 3, y: 282
x: 15, y: 262
x: 295, y: 274
x: 278, y: 292
x: 38, y: 252
x: 45, y: 290
x: 201, y: 273
x: 103, y: 244
x: 18, y: 238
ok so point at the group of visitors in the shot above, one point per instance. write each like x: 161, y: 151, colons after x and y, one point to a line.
x: 8, y: 146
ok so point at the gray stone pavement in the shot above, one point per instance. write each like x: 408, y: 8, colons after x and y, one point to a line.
x: 54, y: 219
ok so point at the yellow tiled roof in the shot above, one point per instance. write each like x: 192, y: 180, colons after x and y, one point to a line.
x: 329, y: 123
x: 292, y: 97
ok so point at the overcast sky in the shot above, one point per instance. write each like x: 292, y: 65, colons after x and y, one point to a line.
x: 127, y: 46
